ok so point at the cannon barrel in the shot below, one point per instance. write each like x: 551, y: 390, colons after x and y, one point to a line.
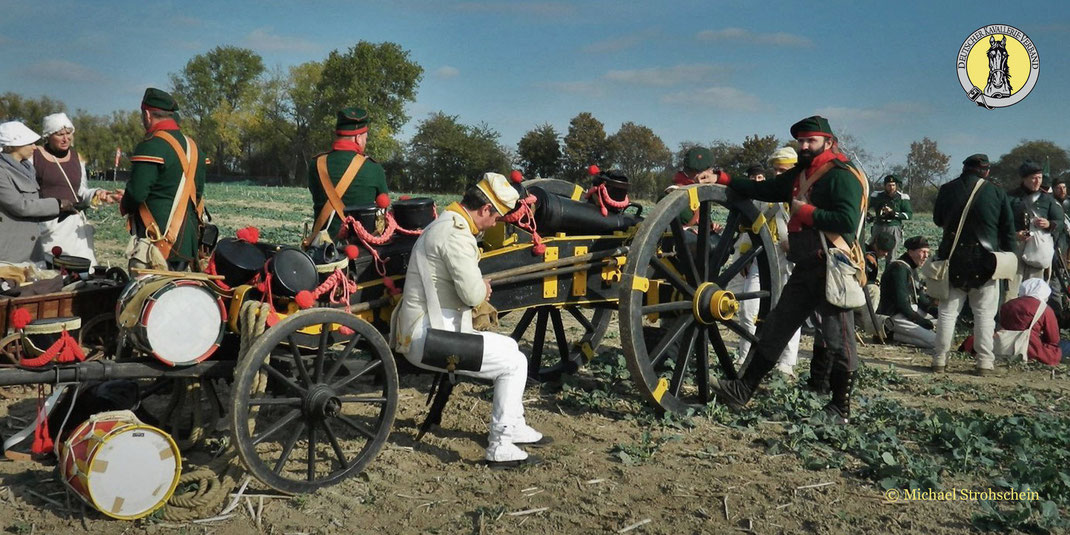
x: 102, y: 370
x: 554, y: 213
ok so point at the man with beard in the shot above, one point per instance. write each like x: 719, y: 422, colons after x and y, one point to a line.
x: 828, y: 198
x: 890, y: 208
x: 1034, y: 212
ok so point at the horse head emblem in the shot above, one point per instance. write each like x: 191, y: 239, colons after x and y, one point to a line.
x: 999, y: 77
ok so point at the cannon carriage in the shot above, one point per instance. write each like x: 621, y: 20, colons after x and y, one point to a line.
x: 314, y: 389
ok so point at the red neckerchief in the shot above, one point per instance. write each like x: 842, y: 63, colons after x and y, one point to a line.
x: 680, y: 179
x: 818, y: 161
x: 166, y: 124
x: 345, y: 144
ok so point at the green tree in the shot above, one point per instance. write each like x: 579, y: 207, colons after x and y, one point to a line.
x: 585, y: 144
x: 216, y: 92
x: 445, y: 155
x: 31, y: 111
x: 1040, y: 151
x: 539, y: 152
x: 642, y: 156
x: 926, y: 165
x: 756, y: 150
x: 97, y: 136
x: 380, y: 78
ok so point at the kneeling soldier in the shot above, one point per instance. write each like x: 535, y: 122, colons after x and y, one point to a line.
x: 432, y: 326
x: 910, y: 311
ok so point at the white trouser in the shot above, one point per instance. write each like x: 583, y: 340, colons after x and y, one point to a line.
x: 503, y: 363
x: 749, y: 281
x: 907, y: 332
x: 984, y: 302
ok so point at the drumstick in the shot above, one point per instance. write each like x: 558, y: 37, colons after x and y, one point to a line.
x: 176, y: 274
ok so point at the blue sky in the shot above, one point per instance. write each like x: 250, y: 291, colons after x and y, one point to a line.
x: 699, y: 71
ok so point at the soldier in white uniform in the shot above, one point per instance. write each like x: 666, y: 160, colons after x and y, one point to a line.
x: 446, y: 257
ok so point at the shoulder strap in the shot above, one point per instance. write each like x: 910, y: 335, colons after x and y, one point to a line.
x: 1036, y: 317
x: 965, y: 212
x: 837, y: 239
x: 334, y: 193
x: 187, y: 191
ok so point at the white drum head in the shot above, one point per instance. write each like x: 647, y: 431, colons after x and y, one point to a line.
x: 183, y: 324
x: 133, y: 472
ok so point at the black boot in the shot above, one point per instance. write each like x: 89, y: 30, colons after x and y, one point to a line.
x: 820, y: 368
x: 737, y: 393
x: 839, y: 409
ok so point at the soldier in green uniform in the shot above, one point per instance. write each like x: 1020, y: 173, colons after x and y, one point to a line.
x: 827, y: 195
x: 161, y: 168
x: 890, y: 208
x: 909, y: 310
x: 1034, y: 211
x: 1062, y: 240
x: 345, y: 169
x: 988, y: 227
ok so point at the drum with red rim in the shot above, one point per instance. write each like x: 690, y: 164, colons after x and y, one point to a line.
x: 120, y: 466
x: 178, y: 321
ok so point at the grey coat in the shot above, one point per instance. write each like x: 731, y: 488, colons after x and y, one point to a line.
x: 21, y: 209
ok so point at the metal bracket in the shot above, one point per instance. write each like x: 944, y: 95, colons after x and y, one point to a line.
x: 579, y: 278
x: 692, y: 199
x: 549, y: 284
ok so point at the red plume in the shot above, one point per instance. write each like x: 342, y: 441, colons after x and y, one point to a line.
x: 20, y: 318
x: 404, y: 197
x: 382, y: 200
x: 304, y: 299
x: 248, y: 234
x: 593, y: 170
x: 352, y: 251
x: 57, y: 250
x: 516, y: 176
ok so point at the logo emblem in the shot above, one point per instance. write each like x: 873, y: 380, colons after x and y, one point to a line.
x: 998, y: 66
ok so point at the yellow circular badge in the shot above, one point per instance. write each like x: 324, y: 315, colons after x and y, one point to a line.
x: 998, y: 65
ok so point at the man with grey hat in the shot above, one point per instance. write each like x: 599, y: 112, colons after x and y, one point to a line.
x: 890, y: 208
x: 903, y: 301
x: 21, y: 207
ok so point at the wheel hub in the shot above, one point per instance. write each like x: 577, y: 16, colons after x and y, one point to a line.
x: 321, y: 402
x: 712, y: 303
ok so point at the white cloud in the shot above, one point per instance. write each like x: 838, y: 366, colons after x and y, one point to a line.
x: 58, y: 70
x: 890, y: 112
x: 543, y: 9
x: 664, y: 76
x: 586, y: 88
x: 717, y: 96
x: 447, y: 71
x: 265, y: 40
x: 754, y: 38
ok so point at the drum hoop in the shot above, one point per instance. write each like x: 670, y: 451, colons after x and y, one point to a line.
x: 133, y: 426
x: 150, y: 302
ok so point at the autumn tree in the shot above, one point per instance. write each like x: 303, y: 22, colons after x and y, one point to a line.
x: 539, y: 152
x: 1040, y: 151
x: 641, y: 155
x: 926, y: 165
x: 445, y: 155
x: 585, y: 145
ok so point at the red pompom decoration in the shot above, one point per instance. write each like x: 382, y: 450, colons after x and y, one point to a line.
x: 352, y: 251
x: 57, y: 250
x: 20, y: 318
x: 304, y: 299
x: 593, y: 170
x: 382, y: 200
x: 404, y: 197
x: 539, y: 249
x: 248, y: 234
x: 516, y: 176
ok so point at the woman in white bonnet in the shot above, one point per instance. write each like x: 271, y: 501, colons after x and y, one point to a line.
x: 21, y: 207
x: 61, y: 175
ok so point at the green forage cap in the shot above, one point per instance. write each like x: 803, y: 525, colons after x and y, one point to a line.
x: 892, y: 178
x: 976, y: 160
x: 916, y: 242
x: 812, y: 126
x: 158, y: 99
x: 351, y: 121
x: 1029, y: 167
x: 698, y: 159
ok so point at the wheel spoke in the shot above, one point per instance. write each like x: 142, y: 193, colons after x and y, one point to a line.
x: 578, y: 314
x: 342, y: 357
x: 703, y: 250
x: 727, y: 241
x: 735, y: 267
x: 311, y: 452
x: 293, y: 402
x: 321, y: 352
x: 535, y: 362
x: 738, y: 329
x: 358, y: 427
x: 361, y: 399
x: 289, y: 448
x: 682, y: 358
x: 345, y: 382
x: 702, y: 364
x: 299, y: 362
x: 282, y: 377
x: 672, y: 306
x: 281, y: 423
x: 659, y: 352
x: 335, y: 446
x: 744, y: 296
x: 683, y: 252
x: 723, y: 357
x: 675, y: 279
x: 522, y: 325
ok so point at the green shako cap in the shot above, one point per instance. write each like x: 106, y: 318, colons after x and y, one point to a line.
x: 698, y: 159
x: 976, y: 160
x: 351, y: 121
x: 1029, y: 167
x: 893, y: 178
x: 158, y: 99
x: 916, y: 242
x: 816, y: 125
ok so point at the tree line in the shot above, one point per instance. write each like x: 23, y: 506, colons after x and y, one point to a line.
x: 269, y: 123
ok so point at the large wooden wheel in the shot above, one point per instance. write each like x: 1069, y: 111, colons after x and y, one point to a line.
x: 676, y: 279
x: 328, y: 404
x: 570, y: 348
